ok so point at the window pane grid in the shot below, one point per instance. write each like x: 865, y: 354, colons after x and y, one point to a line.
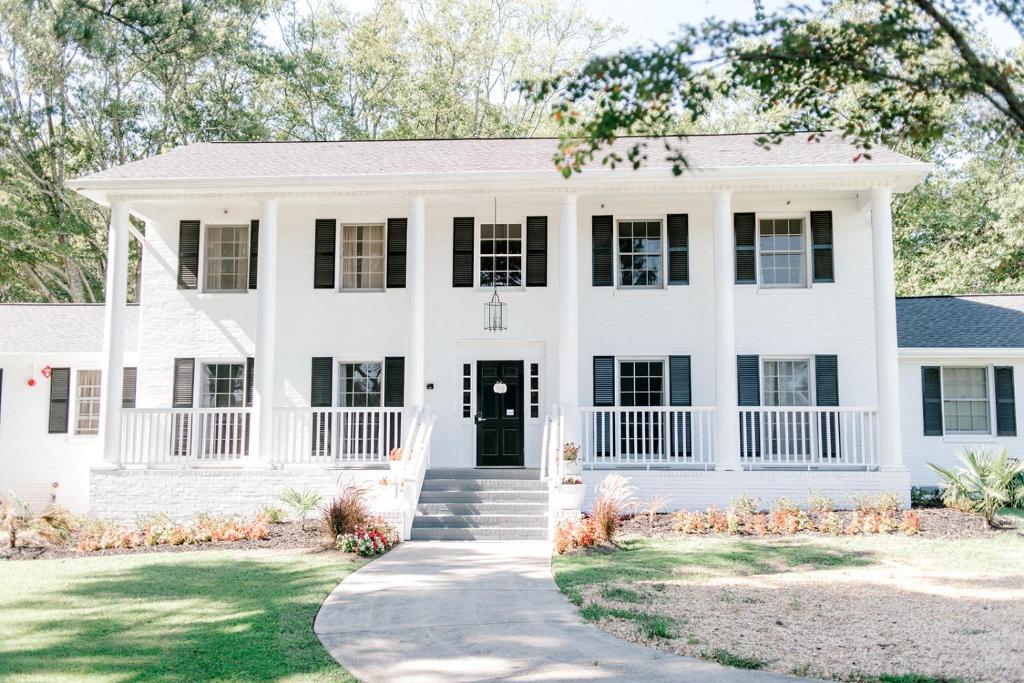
x: 501, y: 255
x: 787, y: 383
x: 783, y: 260
x: 641, y: 383
x: 361, y: 384
x: 362, y: 257
x: 965, y: 404
x: 223, y: 385
x: 87, y: 421
x: 640, y: 253
x: 227, y: 258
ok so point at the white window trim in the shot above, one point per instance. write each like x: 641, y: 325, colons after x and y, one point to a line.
x: 641, y: 359
x: 73, y: 432
x: 197, y: 380
x: 336, y: 378
x: 339, y: 251
x: 477, y: 255
x: 472, y: 390
x: 805, y: 216
x: 812, y: 397
x: 528, y: 391
x: 970, y: 437
x: 203, y: 225
x: 664, y: 255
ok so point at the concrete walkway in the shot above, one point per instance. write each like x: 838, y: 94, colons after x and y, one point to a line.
x: 483, y: 611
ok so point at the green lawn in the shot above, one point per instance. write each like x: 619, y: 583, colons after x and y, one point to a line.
x: 190, y: 616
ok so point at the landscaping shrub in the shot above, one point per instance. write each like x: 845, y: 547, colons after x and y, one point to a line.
x: 56, y: 525
x: 345, y: 513
x: 375, y: 537
x: 983, y: 484
x: 274, y: 514
x: 691, y: 522
x: 301, y: 502
x: 614, y: 494
x: 921, y: 497
x: 654, y: 506
x: 572, y: 534
x: 718, y: 521
x: 744, y: 504
x: 98, y: 534
x: 820, y: 504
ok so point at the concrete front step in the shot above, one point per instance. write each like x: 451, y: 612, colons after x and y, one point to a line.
x: 510, y: 508
x: 427, y: 496
x: 459, y: 484
x: 480, y: 521
x: 479, y: 534
x: 483, y: 473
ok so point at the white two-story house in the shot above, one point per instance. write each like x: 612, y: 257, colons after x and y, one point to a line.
x: 308, y: 307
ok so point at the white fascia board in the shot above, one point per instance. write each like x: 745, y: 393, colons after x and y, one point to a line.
x: 961, y: 353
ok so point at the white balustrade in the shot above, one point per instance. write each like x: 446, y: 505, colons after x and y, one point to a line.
x: 620, y: 436
x: 184, y: 437
x: 335, y: 436
x: 808, y: 437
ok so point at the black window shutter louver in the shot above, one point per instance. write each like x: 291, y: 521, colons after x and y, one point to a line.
x: 60, y: 393
x: 680, y: 394
x: 321, y: 383
x: 826, y: 391
x: 184, y: 378
x: 748, y: 393
x: 536, y: 251
x: 678, y: 249
x: 931, y: 400
x: 250, y: 380
x: 462, y: 252
x: 601, y: 251
x: 821, y: 246
x: 394, y: 382
x: 130, y: 382
x: 745, y: 235
x: 1006, y: 409
x: 324, y: 246
x: 398, y: 230
x: 188, y: 254
x: 254, y: 252
x: 604, y: 381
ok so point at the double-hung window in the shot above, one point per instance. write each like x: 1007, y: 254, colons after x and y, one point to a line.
x: 222, y: 385
x: 362, y: 257
x: 226, y: 258
x: 783, y: 252
x: 501, y: 255
x: 965, y: 401
x: 640, y: 254
x: 87, y: 403
x: 787, y: 384
x: 223, y: 434
x: 361, y: 384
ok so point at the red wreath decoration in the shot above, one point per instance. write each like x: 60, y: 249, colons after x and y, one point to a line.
x: 47, y: 371
x: 31, y: 381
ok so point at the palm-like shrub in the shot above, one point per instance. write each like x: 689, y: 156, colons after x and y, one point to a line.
x: 301, y: 502
x: 985, y: 482
x: 614, y: 494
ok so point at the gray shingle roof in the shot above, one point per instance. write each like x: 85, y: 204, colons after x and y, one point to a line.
x: 367, y: 158
x: 983, y: 321
x: 59, y: 328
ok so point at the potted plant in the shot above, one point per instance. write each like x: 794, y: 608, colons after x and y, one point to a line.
x: 570, y: 459
x: 570, y: 493
x: 395, y: 459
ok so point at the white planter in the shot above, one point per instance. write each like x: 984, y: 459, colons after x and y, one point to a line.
x: 571, y: 468
x: 570, y: 496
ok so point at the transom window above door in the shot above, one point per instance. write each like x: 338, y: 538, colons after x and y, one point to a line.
x: 501, y: 255
x: 787, y: 382
x: 222, y: 385
x: 641, y: 383
x: 783, y: 252
x: 226, y: 258
x: 362, y: 257
x: 640, y: 253
x: 361, y: 384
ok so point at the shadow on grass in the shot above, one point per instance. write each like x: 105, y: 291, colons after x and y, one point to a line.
x: 172, y: 620
x: 641, y: 560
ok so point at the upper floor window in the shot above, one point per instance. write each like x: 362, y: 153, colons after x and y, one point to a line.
x: 640, y: 253
x: 787, y: 382
x: 362, y: 257
x: 226, y: 262
x: 87, y: 403
x: 222, y: 385
x: 501, y: 255
x: 965, y: 400
x: 783, y: 252
x: 641, y: 383
x: 361, y: 384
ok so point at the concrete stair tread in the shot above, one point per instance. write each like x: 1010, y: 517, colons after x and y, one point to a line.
x: 482, y: 508
x: 480, y: 521
x: 519, y: 474
x: 479, y: 534
x: 483, y: 496
x: 478, y: 484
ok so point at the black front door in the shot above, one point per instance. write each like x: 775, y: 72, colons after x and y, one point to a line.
x: 499, y: 418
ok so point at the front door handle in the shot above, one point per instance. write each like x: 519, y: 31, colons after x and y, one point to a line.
x: 478, y: 418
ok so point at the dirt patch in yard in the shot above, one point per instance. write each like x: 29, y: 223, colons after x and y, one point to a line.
x: 286, y: 536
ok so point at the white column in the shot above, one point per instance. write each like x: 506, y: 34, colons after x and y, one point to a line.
x: 727, y: 454
x: 416, y: 264
x: 568, y: 316
x: 262, y: 426
x: 890, y: 441
x: 112, y: 377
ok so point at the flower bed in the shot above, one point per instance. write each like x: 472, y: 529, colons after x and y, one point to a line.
x: 376, y: 537
x: 161, y: 530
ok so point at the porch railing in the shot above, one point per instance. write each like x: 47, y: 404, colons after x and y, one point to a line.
x: 647, y: 436
x: 184, y: 436
x: 808, y: 437
x: 335, y: 436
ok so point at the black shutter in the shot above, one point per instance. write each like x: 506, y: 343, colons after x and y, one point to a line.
x: 394, y: 382
x: 462, y: 252
x: 826, y: 390
x: 398, y: 229
x: 1006, y: 410
x: 188, y: 254
x: 680, y: 395
x: 254, y: 252
x: 748, y: 393
x: 184, y: 378
x: 678, y: 249
x: 130, y: 378
x: 60, y: 392
x: 821, y: 246
x: 931, y: 400
x: 601, y: 251
x: 536, y: 251
x: 604, y: 381
x: 321, y: 383
x: 324, y: 244
x: 745, y: 234
x: 250, y: 380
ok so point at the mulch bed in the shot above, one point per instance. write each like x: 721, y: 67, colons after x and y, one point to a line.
x: 935, y: 523
x: 285, y: 536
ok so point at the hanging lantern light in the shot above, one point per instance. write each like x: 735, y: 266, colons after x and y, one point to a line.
x: 496, y: 309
